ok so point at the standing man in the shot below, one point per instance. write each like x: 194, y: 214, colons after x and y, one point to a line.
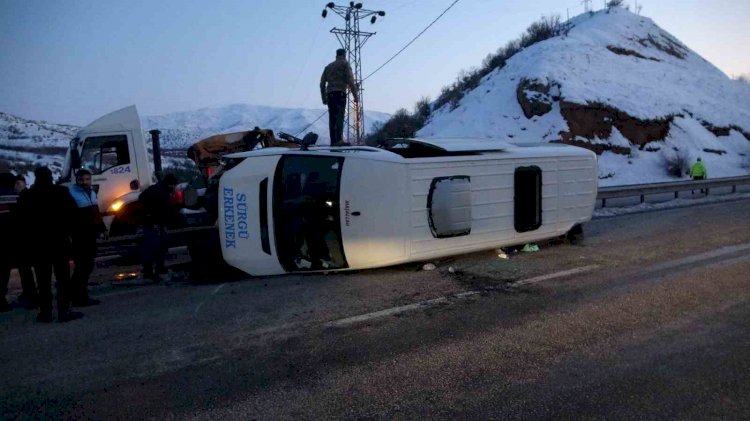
x: 334, y: 81
x: 87, y: 225
x: 6, y: 226
x: 47, y: 211
x: 157, y: 205
x: 13, y: 252
x: 29, y: 297
x: 698, y: 171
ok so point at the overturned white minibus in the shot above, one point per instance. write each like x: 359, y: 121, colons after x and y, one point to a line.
x: 344, y: 208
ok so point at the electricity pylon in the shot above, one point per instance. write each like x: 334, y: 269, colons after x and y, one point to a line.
x: 352, y: 39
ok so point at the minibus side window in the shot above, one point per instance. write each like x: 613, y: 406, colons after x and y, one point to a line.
x: 449, y: 206
x: 528, y: 198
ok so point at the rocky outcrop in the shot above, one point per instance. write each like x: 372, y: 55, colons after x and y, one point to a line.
x: 568, y: 139
x: 719, y: 131
x: 625, y: 52
x: 665, y: 44
x: 596, y: 120
x: 715, y: 151
x: 534, y: 97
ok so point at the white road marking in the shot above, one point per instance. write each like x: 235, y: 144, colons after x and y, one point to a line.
x: 542, y: 278
x: 217, y: 289
x: 447, y: 299
x: 703, y: 256
x: 198, y: 308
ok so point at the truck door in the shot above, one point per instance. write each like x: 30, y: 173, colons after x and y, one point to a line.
x: 109, y: 158
x: 113, y: 149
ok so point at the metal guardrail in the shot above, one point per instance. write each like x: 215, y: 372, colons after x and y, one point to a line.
x: 132, y: 243
x: 673, y: 187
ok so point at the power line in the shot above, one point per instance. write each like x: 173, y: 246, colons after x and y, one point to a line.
x: 313, y: 122
x: 413, y: 39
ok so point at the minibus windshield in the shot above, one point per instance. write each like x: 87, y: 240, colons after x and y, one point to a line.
x: 306, y: 213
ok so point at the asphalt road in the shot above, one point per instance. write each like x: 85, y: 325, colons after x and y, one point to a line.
x: 648, y: 318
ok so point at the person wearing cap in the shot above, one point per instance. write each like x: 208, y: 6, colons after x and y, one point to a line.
x: 87, y: 226
x: 159, y: 213
x: 46, y: 211
x: 336, y: 78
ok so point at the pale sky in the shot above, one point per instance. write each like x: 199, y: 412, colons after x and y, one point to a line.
x: 70, y: 61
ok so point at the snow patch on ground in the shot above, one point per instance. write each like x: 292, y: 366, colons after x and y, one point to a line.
x: 672, y: 204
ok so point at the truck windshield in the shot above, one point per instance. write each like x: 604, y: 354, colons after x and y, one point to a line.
x: 306, y: 213
x: 100, y: 153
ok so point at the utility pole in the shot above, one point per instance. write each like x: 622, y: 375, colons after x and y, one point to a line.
x: 352, y: 40
x: 586, y: 5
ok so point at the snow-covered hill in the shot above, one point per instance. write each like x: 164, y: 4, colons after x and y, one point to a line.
x: 22, y: 133
x: 618, y: 84
x: 25, y: 144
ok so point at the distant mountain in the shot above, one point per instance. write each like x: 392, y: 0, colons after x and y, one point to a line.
x: 618, y: 84
x: 181, y: 129
x: 20, y: 132
x: 25, y: 144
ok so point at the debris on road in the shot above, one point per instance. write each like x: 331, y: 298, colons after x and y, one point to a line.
x: 429, y: 266
x: 530, y: 248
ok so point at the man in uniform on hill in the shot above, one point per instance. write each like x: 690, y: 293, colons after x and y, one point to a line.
x: 334, y: 81
x: 698, y: 171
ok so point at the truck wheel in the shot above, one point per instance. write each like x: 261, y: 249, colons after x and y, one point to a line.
x: 207, y: 264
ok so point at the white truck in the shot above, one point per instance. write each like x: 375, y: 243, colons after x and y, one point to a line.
x: 115, y: 150
x: 345, y: 208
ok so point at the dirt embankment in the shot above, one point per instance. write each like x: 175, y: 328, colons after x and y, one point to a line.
x: 591, y: 120
x: 594, y: 120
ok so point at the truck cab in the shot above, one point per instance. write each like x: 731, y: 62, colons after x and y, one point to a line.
x: 113, y: 148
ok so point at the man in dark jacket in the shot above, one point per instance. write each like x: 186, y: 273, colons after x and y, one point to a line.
x: 159, y: 213
x: 12, y: 249
x: 7, y: 200
x: 87, y: 226
x: 29, y: 297
x: 47, y: 211
x: 336, y: 78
